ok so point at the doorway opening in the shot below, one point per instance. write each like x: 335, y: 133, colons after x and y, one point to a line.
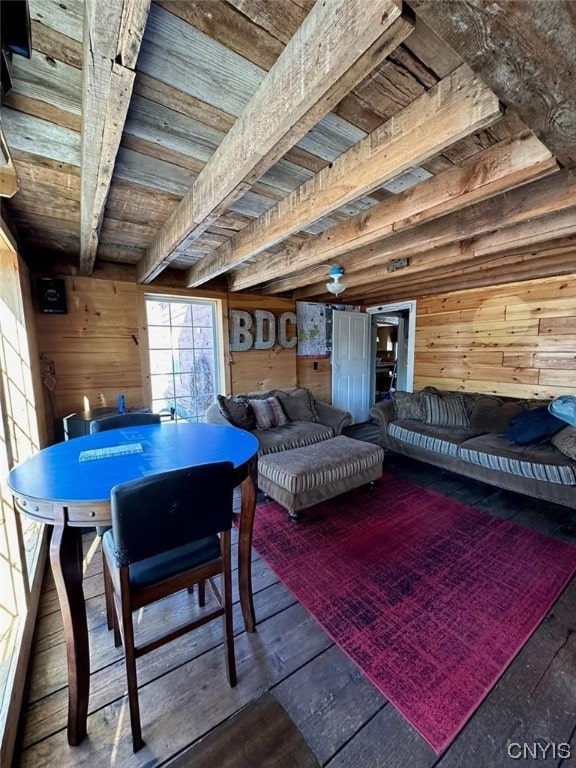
x: 393, y: 340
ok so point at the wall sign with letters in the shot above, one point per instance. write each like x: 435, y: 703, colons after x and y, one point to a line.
x: 261, y: 330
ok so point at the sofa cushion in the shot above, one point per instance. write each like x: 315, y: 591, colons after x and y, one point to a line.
x: 447, y: 411
x: 408, y: 405
x: 237, y: 410
x: 298, y: 404
x: 437, y: 439
x: 294, y: 435
x: 532, y: 426
x: 538, y: 462
x: 530, y: 405
x: 565, y: 442
x: 268, y: 413
x: 491, y: 414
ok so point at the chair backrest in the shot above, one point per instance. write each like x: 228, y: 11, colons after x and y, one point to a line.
x: 167, y: 510
x: 123, y: 420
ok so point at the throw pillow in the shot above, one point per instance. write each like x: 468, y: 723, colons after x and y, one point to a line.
x: 237, y: 410
x: 533, y: 426
x: 408, y: 405
x: 490, y: 414
x: 298, y: 405
x: 564, y: 407
x: 268, y: 413
x: 448, y: 411
x: 565, y: 442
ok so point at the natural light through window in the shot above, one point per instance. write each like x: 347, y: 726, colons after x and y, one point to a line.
x: 19, y: 424
x: 184, y: 353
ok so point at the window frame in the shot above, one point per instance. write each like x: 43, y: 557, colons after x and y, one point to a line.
x: 221, y: 369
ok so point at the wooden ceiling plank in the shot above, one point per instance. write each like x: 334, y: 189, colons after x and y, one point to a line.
x: 460, y: 104
x: 504, y: 166
x: 40, y: 138
x: 520, y: 56
x: 232, y: 29
x: 432, y: 51
x: 56, y: 45
x: 110, y: 53
x: 206, y: 114
x: 38, y: 108
x: 339, y: 42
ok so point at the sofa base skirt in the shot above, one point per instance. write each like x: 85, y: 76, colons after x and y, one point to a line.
x: 539, y: 489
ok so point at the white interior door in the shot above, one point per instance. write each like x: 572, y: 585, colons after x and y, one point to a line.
x: 351, y: 361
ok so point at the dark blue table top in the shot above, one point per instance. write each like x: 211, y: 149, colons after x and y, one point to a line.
x: 57, y: 473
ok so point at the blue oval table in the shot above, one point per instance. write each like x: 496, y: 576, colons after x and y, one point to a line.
x: 68, y: 486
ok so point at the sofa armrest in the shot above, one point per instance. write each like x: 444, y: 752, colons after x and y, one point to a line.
x: 333, y: 417
x: 213, y: 415
x: 383, y: 414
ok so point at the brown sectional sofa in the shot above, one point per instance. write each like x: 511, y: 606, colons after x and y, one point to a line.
x: 310, y: 421
x: 466, y: 433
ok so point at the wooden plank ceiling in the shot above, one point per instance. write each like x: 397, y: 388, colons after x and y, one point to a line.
x: 252, y: 143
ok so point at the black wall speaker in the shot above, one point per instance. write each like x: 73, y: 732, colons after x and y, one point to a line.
x: 51, y: 295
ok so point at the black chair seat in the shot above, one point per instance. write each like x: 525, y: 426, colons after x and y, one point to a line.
x: 162, y: 566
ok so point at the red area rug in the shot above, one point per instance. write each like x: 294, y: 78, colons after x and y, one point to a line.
x: 430, y: 598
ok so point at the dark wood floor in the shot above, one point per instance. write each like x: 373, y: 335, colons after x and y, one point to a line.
x: 346, y: 722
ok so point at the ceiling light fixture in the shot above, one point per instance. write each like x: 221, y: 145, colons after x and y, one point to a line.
x: 335, y: 286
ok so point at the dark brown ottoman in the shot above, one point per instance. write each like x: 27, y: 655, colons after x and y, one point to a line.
x: 301, y: 477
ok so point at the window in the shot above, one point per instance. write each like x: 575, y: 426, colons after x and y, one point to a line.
x: 184, y: 350
x: 22, y: 543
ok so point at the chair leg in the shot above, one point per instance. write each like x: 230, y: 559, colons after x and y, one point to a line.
x: 227, y: 619
x: 116, y: 628
x: 130, y: 660
x: 201, y: 593
x: 108, y: 593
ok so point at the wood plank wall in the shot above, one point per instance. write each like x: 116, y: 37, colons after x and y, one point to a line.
x: 318, y: 380
x: 99, y: 348
x: 515, y: 340
x: 95, y: 347
x: 258, y: 370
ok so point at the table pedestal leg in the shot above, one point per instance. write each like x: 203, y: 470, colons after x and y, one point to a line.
x: 66, y: 561
x: 247, y: 508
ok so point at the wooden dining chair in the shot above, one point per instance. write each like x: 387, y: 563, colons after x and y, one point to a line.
x: 117, y: 421
x: 170, y: 532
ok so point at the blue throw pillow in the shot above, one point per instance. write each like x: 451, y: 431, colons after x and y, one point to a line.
x: 532, y: 426
x: 564, y: 407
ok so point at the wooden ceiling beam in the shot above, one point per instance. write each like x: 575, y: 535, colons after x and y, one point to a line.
x: 550, y: 251
x: 110, y: 52
x: 509, y: 164
x: 338, y: 44
x: 545, y: 208
x: 510, y: 269
x: 456, y: 107
x: 525, y: 53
